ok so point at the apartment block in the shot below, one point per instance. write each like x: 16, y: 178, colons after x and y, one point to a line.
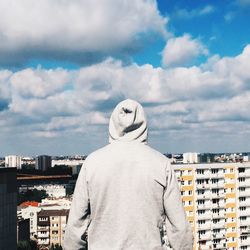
x: 13, y: 161
x: 216, y: 197
x: 51, y: 227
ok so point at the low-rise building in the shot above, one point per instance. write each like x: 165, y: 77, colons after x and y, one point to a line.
x: 51, y: 226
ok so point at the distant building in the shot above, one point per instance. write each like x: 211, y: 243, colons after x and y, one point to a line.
x: 29, y: 210
x: 206, y: 158
x: 51, y: 226
x: 8, y: 205
x: 13, y: 161
x: 55, y: 204
x: 43, y: 162
x: 67, y: 162
x: 55, y: 191
x: 190, y: 157
x: 23, y: 230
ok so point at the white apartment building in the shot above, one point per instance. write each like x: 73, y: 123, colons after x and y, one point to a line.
x: 55, y: 191
x: 13, y: 161
x: 216, y: 197
x: 190, y: 157
x: 30, y: 212
x: 55, y: 204
x: 67, y: 162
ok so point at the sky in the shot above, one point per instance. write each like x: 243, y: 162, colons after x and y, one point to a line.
x: 64, y: 65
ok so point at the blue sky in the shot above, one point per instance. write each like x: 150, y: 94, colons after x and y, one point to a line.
x: 65, y: 65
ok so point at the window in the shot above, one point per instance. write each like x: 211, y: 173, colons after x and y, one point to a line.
x: 241, y: 170
x: 215, y: 171
x: 242, y: 179
x: 201, y: 222
x: 200, y: 171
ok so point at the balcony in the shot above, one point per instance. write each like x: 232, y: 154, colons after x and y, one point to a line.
x: 205, y: 196
x: 244, y: 203
x: 43, y: 235
x: 218, y: 205
x: 203, y: 186
x: 245, y: 193
x: 244, y: 184
x: 203, y: 206
x: 218, y: 236
x: 205, y: 226
x: 219, y: 175
x: 219, y: 246
x: 217, y: 195
x: 218, y: 225
x: 218, y: 185
x: 43, y: 241
x: 218, y: 215
x: 244, y: 223
x: 244, y: 213
x: 206, y: 236
x: 244, y: 242
x: 245, y: 174
x: 205, y: 216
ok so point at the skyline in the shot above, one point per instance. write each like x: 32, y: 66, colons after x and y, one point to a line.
x: 65, y: 65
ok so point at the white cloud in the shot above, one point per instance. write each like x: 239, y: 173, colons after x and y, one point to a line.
x: 74, y: 30
x: 211, y: 100
x: 182, y: 50
x: 39, y: 83
x: 186, y: 14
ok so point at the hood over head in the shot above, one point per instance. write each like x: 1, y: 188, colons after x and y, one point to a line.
x: 128, y: 122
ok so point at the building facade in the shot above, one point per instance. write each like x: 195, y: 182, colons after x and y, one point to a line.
x: 43, y: 162
x: 51, y: 227
x: 8, y: 205
x: 216, y: 198
x: 13, y: 161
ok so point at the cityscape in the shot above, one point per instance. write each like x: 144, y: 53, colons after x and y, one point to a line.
x: 215, y: 190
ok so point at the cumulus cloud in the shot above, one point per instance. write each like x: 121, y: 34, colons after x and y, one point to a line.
x: 182, y: 50
x: 80, y: 31
x: 207, y: 100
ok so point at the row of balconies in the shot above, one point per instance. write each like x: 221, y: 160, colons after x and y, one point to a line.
x: 244, y: 242
x: 43, y: 235
x: 245, y: 193
x: 43, y: 241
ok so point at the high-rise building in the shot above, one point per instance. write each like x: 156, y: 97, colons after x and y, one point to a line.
x: 43, y: 162
x: 190, y: 157
x: 216, y: 198
x: 13, y: 161
x: 51, y: 226
x: 8, y: 205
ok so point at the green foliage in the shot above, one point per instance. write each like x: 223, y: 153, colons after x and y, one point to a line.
x: 32, y: 195
x: 27, y: 245
x: 56, y: 247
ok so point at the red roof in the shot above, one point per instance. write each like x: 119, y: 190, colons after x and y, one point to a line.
x: 29, y: 203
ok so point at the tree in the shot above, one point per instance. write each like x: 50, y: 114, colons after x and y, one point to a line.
x: 27, y: 245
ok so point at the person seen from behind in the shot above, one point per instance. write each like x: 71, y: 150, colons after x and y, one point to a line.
x: 126, y: 192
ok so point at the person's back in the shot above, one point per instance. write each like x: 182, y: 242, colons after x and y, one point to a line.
x: 126, y: 191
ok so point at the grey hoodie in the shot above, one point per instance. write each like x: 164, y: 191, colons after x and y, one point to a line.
x: 125, y: 193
